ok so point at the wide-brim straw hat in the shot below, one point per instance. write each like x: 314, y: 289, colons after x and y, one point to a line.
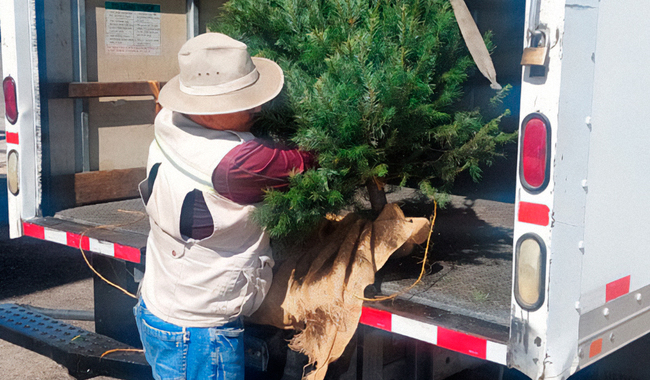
x: 218, y: 76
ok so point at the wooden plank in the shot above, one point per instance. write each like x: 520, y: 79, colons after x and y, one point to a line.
x: 98, y: 89
x: 109, y: 185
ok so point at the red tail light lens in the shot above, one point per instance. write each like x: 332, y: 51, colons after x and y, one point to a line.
x: 535, y: 152
x: 11, y: 103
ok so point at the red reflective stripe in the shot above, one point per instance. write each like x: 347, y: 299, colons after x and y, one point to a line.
x: 595, y: 348
x: 34, y: 230
x: 376, y: 318
x: 12, y: 137
x: 462, y: 343
x: 533, y: 213
x: 74, y: 240
x: 617, y: 288
x: 127, y: 253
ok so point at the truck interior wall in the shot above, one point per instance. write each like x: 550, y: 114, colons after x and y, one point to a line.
x: 505, y: 20
x: 118, y: 130
x: 208, y: 10
x: 54, y: 31
x: 112, y: 119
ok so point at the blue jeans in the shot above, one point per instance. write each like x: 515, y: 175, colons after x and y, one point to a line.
x: 191, y: 353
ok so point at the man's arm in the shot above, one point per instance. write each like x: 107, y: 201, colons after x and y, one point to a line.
x: 256, y: 165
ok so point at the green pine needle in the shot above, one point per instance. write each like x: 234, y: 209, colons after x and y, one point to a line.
x: 372, y: 88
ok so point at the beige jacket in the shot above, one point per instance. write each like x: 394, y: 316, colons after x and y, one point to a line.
x: 207, y: 282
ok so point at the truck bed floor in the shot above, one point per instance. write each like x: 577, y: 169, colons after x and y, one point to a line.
x: 469, y: 268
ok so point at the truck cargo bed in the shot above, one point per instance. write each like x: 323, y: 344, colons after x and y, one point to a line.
x: 467, y: 285
x: 469, y: 268
x: 117, y: 229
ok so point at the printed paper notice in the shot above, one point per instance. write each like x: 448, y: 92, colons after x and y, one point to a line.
x: 132, y: 32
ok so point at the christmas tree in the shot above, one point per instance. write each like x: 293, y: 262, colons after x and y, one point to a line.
x: 372, y: 88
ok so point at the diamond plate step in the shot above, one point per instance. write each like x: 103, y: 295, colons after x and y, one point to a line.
x: 76, y: 349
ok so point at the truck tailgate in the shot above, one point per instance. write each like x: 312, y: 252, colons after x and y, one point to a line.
x: 117, y: 229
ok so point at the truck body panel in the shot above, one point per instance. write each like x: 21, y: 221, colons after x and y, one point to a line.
x: 615, y: 280
x: 551, y: 331
x: 589, y: 169
x: 587, y: 218
x: 615, y: 219
x: 21, y: 62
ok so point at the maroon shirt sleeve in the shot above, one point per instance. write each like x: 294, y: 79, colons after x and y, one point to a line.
x: 256, y: 165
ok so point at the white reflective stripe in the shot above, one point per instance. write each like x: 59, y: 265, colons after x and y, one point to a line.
x: 202, y: 181
x: 426, y: 332
x: 56, y: 236
x: 496, y: 352
x: 102, y: 247
x: 414, y: 329
x: 224, y: 88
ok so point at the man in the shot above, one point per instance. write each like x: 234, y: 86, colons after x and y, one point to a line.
x: 207, y: 263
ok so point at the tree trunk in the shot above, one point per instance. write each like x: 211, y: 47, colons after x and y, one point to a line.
x: 376, y: 194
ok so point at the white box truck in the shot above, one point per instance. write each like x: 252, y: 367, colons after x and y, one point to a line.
x: 547, y: 283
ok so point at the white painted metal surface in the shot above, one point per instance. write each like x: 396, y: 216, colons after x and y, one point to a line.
x: 613, y: 325
x: 192, y: 19
x: 615, y: 280
x: 20, y: 61
x: 593, y: 96
x: 570, y: 161
x: 528, y: 335
x: 617, y: 214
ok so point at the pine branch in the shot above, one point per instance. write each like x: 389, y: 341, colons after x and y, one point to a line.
x: 372, y: 87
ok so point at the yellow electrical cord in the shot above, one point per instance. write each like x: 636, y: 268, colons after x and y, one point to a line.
x: 121, y: 350
x: 83, y: 253
x: 424, y: 263
x: 107, y: 226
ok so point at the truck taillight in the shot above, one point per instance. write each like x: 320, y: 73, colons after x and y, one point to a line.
x: 535, y: 152
x: 11, y: 102
x: 13, y: 177
x: 530, y: 271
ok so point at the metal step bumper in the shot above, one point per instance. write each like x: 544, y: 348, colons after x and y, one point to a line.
x: 76, y: 349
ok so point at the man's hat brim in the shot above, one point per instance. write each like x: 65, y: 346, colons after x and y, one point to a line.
x: 268, y: 86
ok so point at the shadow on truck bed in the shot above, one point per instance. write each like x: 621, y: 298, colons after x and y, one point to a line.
x: 469, y: 266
